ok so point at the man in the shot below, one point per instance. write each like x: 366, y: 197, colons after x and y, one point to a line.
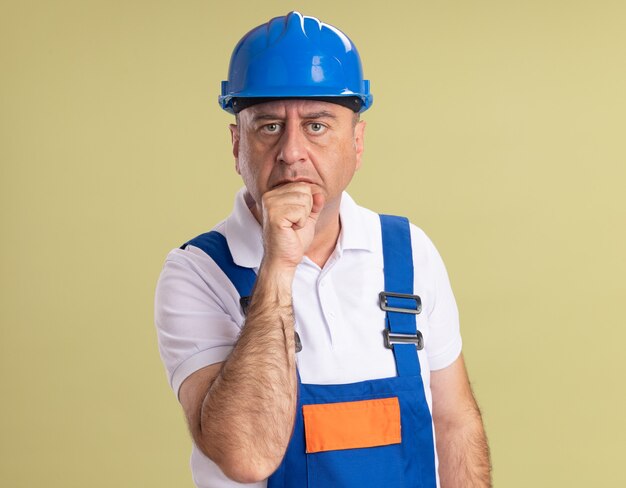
x: 293, y: 369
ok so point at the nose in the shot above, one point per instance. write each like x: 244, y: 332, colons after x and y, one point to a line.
x: 293, y: 147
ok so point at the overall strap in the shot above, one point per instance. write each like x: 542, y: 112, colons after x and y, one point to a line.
x: 214, y: 244
x: 398, y: 301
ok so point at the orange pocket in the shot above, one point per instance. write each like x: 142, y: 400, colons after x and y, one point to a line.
x: 348, y: 425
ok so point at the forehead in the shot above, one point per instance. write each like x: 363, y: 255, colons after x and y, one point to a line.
x: 284, y: 109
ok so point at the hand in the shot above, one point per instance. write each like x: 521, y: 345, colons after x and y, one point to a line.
x: 290, y: 213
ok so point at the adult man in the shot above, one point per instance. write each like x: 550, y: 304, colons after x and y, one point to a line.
x: 291, y: 383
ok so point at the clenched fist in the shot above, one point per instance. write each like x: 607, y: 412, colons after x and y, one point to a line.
x: 290, y: 213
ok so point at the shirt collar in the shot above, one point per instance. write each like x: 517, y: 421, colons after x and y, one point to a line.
x: 354, y: 234
x: 245, y: 236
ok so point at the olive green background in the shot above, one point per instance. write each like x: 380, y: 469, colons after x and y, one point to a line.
x: 498, y: 127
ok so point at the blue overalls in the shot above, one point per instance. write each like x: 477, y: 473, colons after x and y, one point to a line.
x: 375, y: 433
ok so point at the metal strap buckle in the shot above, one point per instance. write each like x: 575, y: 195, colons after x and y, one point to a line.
x: 298, y: 343
x: 384, y: 304
x: 394, y: 338
x: 245, y: 303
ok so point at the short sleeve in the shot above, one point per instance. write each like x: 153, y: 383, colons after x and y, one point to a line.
x: 196, y: 314
x: 444, y: 342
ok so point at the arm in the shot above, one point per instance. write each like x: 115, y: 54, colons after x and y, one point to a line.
x: 461, y: 442
x: 241, y: 412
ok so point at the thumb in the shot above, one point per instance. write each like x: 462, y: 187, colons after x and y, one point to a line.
x: 318, y: 205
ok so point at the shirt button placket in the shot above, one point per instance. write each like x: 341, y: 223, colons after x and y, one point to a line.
x: 328, y: 302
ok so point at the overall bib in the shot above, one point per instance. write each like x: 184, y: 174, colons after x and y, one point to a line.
x: 375, y: 433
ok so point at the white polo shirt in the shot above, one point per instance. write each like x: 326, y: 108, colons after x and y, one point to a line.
x: 198, y: 316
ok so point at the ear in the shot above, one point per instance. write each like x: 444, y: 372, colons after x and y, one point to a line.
x: 359, y: 134
x: 234, y: 139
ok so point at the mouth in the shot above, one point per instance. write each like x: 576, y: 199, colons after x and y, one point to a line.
x: 296, y: 180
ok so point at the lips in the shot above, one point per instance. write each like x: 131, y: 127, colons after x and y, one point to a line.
x: 297, y: 180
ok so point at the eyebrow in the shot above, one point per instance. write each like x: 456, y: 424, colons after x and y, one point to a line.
x: 320, y: 115
x: 310, y: 115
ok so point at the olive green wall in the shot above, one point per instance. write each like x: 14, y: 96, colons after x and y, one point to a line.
x: 497, y: 126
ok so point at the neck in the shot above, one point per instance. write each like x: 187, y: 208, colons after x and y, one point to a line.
x: 326, y: 234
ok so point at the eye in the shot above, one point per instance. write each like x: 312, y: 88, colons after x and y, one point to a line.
x: 272, y: 128
x: 316, y: 127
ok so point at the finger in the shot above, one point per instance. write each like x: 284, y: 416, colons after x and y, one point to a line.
x: 274, y: 200
x: 291, y: 215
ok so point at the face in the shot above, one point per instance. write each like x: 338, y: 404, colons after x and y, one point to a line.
x: 283, y: 141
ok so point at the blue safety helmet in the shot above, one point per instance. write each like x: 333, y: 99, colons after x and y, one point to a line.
x: 295, y: 57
